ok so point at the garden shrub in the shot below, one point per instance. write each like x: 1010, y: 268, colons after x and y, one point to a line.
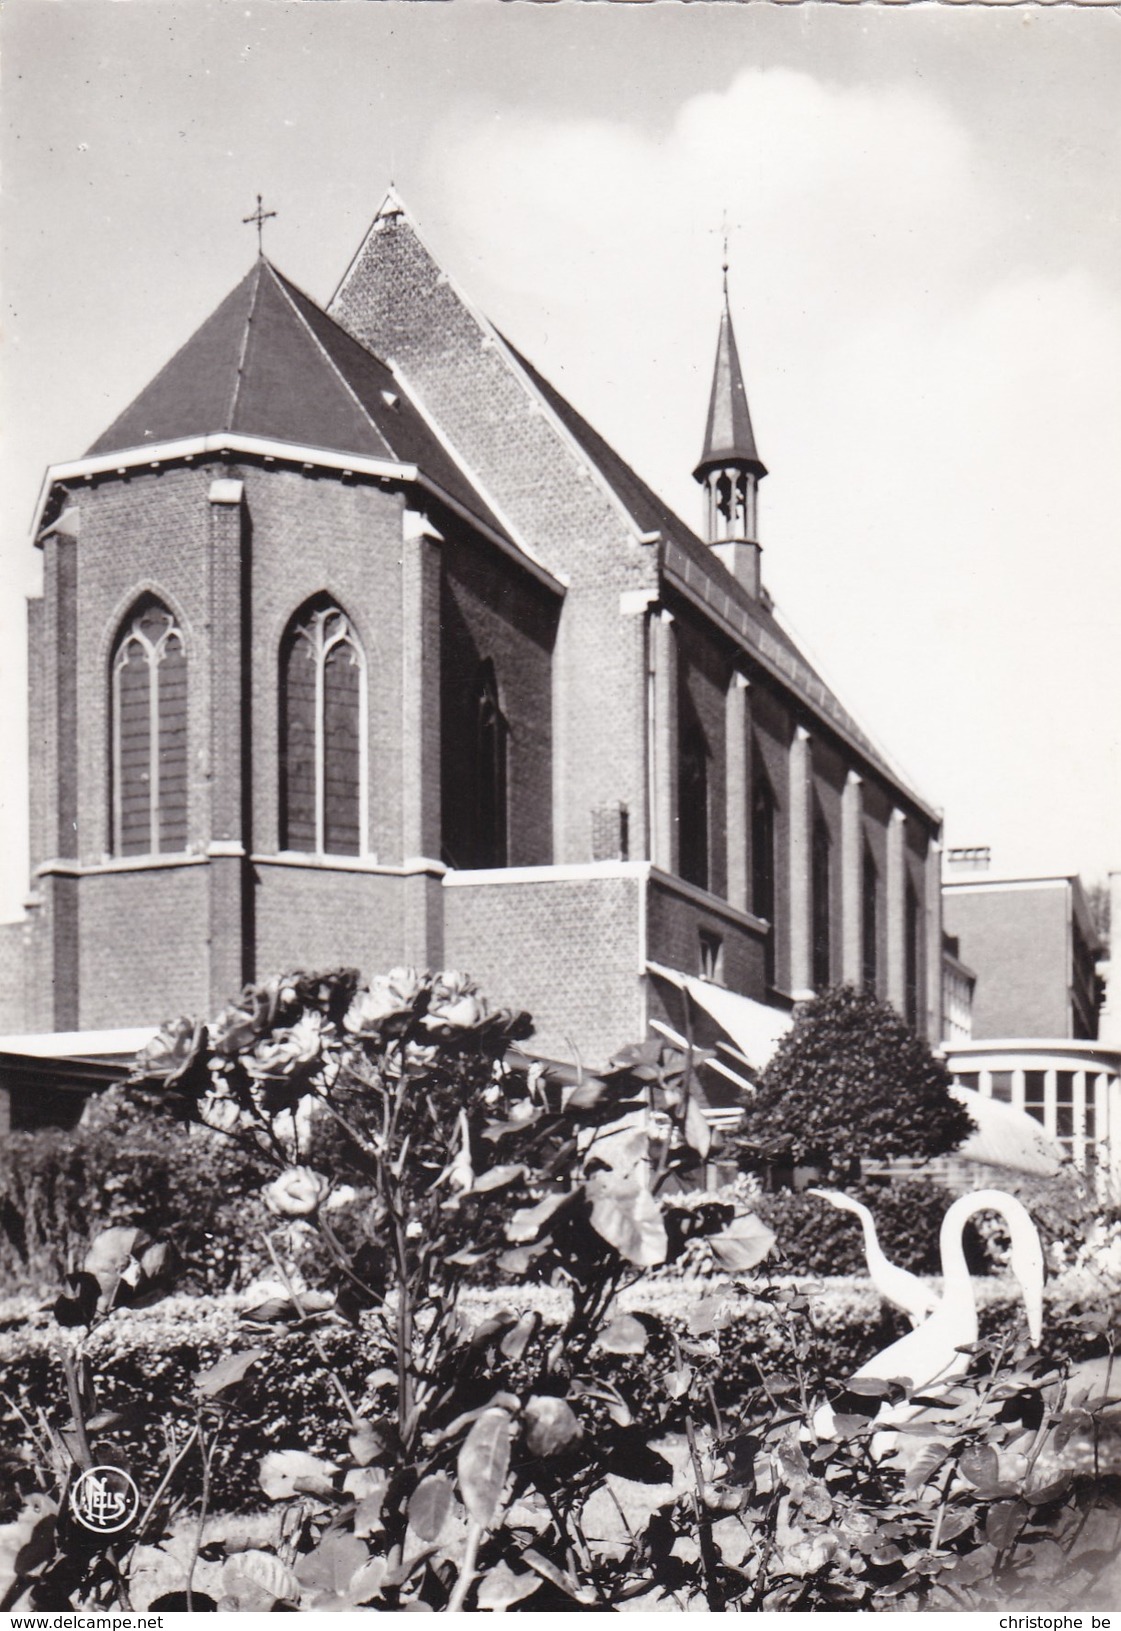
x: 447, y: 1455
x: 183, y: 1184
x: 848, y: 1082
x: 817, y: 1238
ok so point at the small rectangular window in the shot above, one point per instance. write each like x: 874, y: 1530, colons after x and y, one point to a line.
x: 1091, y: 1111
x: 1064, y: 1104
x: 712, y: 956
x: 1001, y: 1085
x: 966, y: 1078
x: 1035, y: 1093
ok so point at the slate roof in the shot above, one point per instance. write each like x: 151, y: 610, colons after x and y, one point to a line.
x: 729, y: 438
x: 753, y: 619
x: 269, y: 363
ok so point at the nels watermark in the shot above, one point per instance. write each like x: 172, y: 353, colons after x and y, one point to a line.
x: 104, y: 1500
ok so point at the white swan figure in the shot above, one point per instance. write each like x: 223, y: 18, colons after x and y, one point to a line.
x: 897, y: 1286
x: 929, y: 1355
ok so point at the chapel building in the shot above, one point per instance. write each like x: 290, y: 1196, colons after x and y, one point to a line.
x: 358, y: 645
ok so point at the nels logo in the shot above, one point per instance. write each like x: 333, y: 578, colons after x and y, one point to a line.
x: 104, y: 1500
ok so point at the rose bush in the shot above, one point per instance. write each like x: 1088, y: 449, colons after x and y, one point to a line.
x: 491, y: 1459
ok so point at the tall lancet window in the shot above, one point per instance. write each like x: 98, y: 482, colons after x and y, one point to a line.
x: 491, y: 737
x: 870, y: 893
x: 822, y: 915
x: 692, y: 802
x: 763, y: 863
x: 911, y: 957
x: 149, y: 734
x: 322, y: 734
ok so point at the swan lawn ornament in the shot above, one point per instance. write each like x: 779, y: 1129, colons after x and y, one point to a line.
x: 897, y: 1286
x: 928, y: 1356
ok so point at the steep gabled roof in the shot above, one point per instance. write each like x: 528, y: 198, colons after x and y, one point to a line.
x: 269, y: 363
x: 729, y: 438
x: 696, y: 563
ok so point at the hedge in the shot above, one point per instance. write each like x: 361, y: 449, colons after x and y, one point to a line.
x: 152, y: 1355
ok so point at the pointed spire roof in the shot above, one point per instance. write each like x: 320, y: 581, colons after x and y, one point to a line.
x: 729, y: 438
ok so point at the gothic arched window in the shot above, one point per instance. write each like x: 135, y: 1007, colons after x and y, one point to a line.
x: 149, y: 733
x: 870, y: 892
x: 822, y: 916
x: 763, y: 862
x: 692, y: 806
x: 322, y: 734
x: 490, y: 758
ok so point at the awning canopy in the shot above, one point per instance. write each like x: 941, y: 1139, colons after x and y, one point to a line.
x: 1007, y: 1137
x: 753, y: 1029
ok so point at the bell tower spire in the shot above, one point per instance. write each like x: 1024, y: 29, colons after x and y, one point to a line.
x: 730, y: 468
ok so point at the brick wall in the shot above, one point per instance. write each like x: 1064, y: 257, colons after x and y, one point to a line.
x: 142, y: 939
x: 318, y: 917
x: 674, y: 926
x: 565, y: 950
x: 1016, y: 942
x: 13, y: 963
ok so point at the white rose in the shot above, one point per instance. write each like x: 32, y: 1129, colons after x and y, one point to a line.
x: 296, y: 1193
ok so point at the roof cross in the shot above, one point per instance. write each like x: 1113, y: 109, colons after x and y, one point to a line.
x: 258, y: 218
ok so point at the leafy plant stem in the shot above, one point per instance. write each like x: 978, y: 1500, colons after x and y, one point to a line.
x: 161, y: 1487
x: 468, y: 1570
x: 329, y: 1370
x: 74, y: 1396
x: 207, y: 1458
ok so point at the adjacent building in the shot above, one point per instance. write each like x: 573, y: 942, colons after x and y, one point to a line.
x: 1031, y: 948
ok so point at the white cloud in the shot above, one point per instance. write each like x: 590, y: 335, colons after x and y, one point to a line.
x: 940, y: 414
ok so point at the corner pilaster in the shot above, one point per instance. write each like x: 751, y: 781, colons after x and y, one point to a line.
x: 934, y: 1017
x: 801, y: 850
x: 420, y: 735
x: 662, y: 716
x: 737, y: 720
x: 230, y: 946
x: 896, y: 902
x: 852, y: 881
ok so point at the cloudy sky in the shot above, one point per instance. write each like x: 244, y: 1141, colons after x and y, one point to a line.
x: 923, y: 213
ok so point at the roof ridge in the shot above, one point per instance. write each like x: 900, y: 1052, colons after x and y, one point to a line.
x: 247, y: 329
x: 287, y: 287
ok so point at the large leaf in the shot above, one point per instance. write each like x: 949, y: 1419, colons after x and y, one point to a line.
x: 227, y: 1372
x: 285, y: 1473
x: 484, y: 1461
x: 257, y: 1580
x: 1003, y: 1523
x: 926, y: 1463
x: 743, y: 1244
x: 502, y: 1588
x: 628, y: 1217
x: 429, y: 1506
x: 527, y: 1223
x: 981, y: 1465
x: 333, y: 1565
x: 498, y: 1177
x: 624, y: 1335
x: 698, y: 1133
